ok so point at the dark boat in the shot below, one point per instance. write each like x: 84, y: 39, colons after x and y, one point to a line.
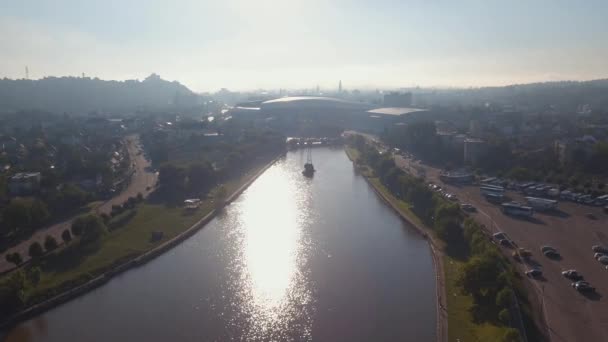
x: 309, y: 169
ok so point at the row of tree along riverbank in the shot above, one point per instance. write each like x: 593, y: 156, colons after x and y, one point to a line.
x: 484, y: 275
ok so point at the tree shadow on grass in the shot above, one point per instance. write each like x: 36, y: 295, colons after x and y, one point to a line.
x: 168, y: 199
x: 459, y: 251
x: 70, y: 256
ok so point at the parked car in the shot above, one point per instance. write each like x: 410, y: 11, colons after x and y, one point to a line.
x: 521, y: 253
x: 468, y: 207
x: 600, y: 249
x: 551, y: 253
x: 583, y: 286
x: 499, y: 235
x: 505, y: 242
x: 534, y: 272
x: 603, y: 260
x: 596, y: 256
x: 572, y: 274
x: 547, y: 248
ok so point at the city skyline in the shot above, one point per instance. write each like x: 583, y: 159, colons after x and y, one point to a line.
x: 242, y: 45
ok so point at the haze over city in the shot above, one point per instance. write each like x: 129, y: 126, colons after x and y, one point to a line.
x: 241, y: 44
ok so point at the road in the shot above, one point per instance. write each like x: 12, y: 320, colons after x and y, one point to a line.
x: 143, y: 181
x: 569, y: 315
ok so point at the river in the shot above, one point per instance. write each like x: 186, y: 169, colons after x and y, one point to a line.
x: 292, y: 259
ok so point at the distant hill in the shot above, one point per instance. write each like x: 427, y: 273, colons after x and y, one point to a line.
x: 565, y: 95
x: 82, y: 95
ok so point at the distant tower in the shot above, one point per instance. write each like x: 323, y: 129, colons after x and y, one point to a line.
x: 318, y: 89
x: 83, y: 76
x: 340, y: 87
x: 27, y: 73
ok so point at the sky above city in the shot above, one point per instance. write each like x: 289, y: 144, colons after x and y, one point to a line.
x: 250, y: 44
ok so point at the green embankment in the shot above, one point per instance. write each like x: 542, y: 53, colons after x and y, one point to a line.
x: 125, y: 240
x: 461, y: 325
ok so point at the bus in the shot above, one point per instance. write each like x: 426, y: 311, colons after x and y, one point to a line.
x: 517, y: 209
x: 494, y: 197
x: 491, y: 190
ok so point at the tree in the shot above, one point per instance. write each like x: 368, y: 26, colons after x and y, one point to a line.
x: 504, y: 316
x: 511, y: 335
x: 479, y: 277
x: 35, y: 250
x: 14, y: 258
x: 171, y: 177
x: 220, y: 196
x: 50, y: 243
x: 66, y: 236
x: 25, y: 213
x: 12, y: 295
x: 503, y: 298
x: 201, y: 176
x: 89, y: 227
x: 140, y: 197
x: 448, y: 229
x: 33, y: 275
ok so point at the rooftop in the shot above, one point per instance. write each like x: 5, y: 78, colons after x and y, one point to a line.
x: 396, y: 110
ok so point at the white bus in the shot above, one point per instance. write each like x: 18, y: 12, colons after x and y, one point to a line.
x: 517, y: 209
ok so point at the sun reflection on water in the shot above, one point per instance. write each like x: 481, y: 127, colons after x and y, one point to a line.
x: 274, y: 286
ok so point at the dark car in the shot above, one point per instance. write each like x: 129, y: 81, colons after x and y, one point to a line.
x: 583, y: 286
x: 505, y: 242
x: 534, y: 272
x: 572, y: 274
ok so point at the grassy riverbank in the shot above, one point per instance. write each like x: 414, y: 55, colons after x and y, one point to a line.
x: 461, y: 324
x: 454, y: 307
x: 128, y: 238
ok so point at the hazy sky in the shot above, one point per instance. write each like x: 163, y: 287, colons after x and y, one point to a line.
x: 244, y: 44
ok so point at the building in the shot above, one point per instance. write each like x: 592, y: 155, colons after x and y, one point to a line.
x: 456, y: 176
x: 474, y: 150
x: 24, y: 183
x: 396, y: 99
x: 566, y: 149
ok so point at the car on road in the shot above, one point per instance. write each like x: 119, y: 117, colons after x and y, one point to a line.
x: 599, y: 249
x: 572, y: 274
x: 468, y: 207
x: 603, y: 260
x: 583, y: 286
x: 551, y: 254
x: 505, y: 242
x: 499, y: 235
x: 547, y: 248
x: 596, y: 256
x: 534, y: 272
x: 521, y: 253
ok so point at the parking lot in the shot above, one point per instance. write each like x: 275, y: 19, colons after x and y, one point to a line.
x: 570, y: 315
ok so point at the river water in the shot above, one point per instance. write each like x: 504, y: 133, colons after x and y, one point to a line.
x: 292, y: 259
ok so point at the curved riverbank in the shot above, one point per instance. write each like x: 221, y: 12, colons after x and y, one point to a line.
x: 436, y: 251
x: 134, y: 262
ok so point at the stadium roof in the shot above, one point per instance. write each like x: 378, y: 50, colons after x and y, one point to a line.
x: 395, y: 110
x: 314, y: 102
